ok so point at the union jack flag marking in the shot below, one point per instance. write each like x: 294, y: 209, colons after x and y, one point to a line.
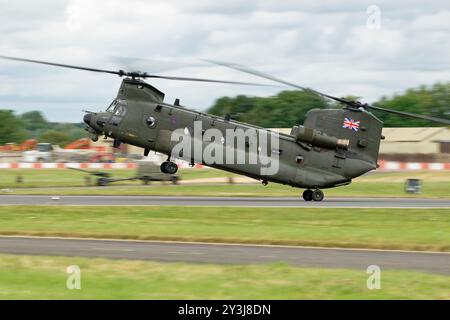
x: 351, y: 124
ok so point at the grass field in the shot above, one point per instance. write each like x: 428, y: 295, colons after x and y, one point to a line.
x: 33, y: 178
x: 358, y: 189
x: 409, y: 229
x: 435, y: 185
x: 32, y: 277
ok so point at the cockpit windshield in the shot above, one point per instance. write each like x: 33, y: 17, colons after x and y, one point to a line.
x: 112, y: 106
x: 118, y: 109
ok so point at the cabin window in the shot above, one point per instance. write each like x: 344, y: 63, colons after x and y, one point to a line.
x: 151, y: 122
x: 299, y: 159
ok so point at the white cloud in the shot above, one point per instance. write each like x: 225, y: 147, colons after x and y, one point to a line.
x: 320, y: 44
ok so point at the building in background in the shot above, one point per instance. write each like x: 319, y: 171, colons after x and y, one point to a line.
x: 416, y: 144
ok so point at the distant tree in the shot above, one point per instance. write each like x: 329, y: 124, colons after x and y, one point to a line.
x: 283, y: 110
x: 290, y: 107
x: 55, y: 137
x: 11, y: 128
x: 236, y: 107
x: 71, y: 129
x: 430, y: 101
x: 34, y: 120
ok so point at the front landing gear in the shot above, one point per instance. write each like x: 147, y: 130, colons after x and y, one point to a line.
x: 169, y: 167
x: 316, y: 195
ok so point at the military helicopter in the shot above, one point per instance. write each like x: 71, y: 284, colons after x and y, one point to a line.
x: 332, y: 146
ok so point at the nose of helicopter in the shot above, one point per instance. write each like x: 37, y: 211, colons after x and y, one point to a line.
x: 87, y: 118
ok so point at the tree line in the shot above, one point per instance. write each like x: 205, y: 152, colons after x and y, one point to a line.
x: 33, y: 125
x: 283, y: 110
x: 289, y: 108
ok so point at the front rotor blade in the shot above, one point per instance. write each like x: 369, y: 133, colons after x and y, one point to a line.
x: 62, y: 65
x: 153, y: 65
x: 205, y: 80
x: 407, y: 114
x: 132, y: 74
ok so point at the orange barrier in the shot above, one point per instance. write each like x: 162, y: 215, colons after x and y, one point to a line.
x: 383, y: 165
x: 82, y: 143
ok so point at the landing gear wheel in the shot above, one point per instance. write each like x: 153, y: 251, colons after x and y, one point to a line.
x: 307, y: 195
x: 169, y: 167
x: 163, y: 167
x: 317, y: 195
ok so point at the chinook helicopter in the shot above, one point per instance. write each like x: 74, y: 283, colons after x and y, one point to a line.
x: 332, y: 146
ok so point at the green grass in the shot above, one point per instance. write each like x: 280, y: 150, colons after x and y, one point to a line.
x: 34, y: 178
x: 409, y: 229
x: 435, y: 185
x: 28, y: 277
x: 358, y: 189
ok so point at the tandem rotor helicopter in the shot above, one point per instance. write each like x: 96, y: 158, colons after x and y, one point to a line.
x: 328, y: 150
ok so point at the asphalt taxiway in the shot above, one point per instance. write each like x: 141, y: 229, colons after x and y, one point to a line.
x: 223, y: 201
x: 228, y: 253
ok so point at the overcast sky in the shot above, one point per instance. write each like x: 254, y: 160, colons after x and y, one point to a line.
x: 339, y: 47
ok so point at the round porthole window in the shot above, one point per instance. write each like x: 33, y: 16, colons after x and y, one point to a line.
x: 151, y: 122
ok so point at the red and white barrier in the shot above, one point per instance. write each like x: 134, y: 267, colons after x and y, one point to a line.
x: 25, y: 165
x: 383, y: 165
x: 98, y: 166
x: 395, y: 165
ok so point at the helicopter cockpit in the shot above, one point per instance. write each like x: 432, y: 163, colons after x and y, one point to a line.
x: 118, y: 108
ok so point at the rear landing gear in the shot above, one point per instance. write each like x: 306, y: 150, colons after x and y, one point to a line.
x: 316, y: 195
x: 307, y: 195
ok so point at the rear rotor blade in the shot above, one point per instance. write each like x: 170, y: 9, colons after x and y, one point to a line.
x: 411, y: 115
x: 204, y: 80
x: 353, y: 104
x: 269, y: 77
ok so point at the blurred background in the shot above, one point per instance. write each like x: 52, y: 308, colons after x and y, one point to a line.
x: 392, y: 55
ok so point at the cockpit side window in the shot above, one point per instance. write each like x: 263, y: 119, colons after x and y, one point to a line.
x: 119, y: 112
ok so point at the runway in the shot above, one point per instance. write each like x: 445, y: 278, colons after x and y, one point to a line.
x: 228, y: 253
x: 223, y: 201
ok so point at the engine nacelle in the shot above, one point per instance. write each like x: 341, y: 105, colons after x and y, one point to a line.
x: 318, y: 139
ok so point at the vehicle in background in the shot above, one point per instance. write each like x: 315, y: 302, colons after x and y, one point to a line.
x: 46, y: 152
x: 42, y: 153
x: 147, y: 171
